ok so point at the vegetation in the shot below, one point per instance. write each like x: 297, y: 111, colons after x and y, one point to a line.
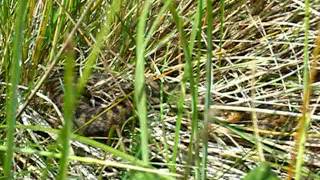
x: 204, y: 89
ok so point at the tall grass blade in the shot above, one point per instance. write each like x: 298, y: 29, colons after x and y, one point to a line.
x: 57, y: 31
x: 208, y: 89
x: 139, y: 84
x: 301, y: 136
x: 196, y: 29
x: 14, y: 76
x: 69, y: 108
x: 188, y: 75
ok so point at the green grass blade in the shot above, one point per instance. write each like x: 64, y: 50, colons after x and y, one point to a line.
x: 139, y: 85
x: 178, y: 127
x: 196, y: 29
x: 157, y: 21
x: 208, y: 90
x: 12, y: 99
x: 95, y: 161
x: 188, y: 75
x: 69, y: 108
x: 305, y: 119
x: 88, y: 141
x: 57, y: 32
x: 222, y: 19
x: 96, y: 49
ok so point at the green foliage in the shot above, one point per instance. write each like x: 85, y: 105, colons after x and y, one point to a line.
x: 262, y: 172
x: 139, y: 175
x: 181, y: 44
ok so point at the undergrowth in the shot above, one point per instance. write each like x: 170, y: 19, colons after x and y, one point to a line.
x: 215, y: 89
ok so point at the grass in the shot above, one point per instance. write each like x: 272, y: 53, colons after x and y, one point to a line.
x: 12, y: 96
x: 139, y: 84
x: 307, y: 90
x: 182, y: 66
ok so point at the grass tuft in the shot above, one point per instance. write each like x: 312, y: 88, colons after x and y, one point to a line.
x: 134, y: 82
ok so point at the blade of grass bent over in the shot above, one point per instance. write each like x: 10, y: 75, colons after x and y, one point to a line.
x: 88, y: 141
x: 90, y: 160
